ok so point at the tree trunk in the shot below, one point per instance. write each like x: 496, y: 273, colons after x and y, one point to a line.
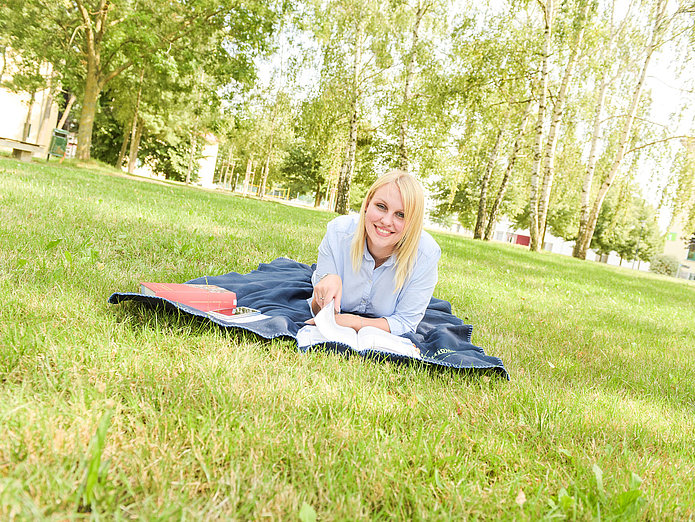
x: 265, y: 172
x: 595, y: 136
x: 318, y: 195
x: 507, y: 173
x: 402, y: 146
x: 482, y: 203
x: 225, y: 179
x: 247, y: 177
x: 135, y: 146
x: 124, y: 146
x: 536, y: 168
x: 230, y: 175
x: 194, y: 146
x: 589, y: 174
x: 89, y: 108
x: 585, y: 240
x: 348, y: 166
x: 551, y: 143
x: 136, y: 127
x: 27, y: 121
x: 66, y: 112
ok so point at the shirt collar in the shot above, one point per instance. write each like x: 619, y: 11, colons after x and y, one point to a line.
x: 368, y: 255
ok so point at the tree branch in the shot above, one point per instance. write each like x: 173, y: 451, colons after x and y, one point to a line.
x: 660, y: 141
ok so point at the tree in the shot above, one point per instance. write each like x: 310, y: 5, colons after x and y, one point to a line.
x: 355, y: 40
x: 548, y: 11
x: 92, y: 42
x: 302, y: 172
x: 555, y: 120
x: 659, y: 26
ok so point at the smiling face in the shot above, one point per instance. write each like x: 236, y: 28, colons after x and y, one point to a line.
x: 384, y: 220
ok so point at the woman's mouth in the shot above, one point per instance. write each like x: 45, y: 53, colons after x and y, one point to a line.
x: 382, y: 232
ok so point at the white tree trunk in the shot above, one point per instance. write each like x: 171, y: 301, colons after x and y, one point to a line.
x: 507, y: 173
x: 537, y: 156
x: 482, y: 202
x: 348, y: 166
x: 657, y: 30
x: 551, y: 144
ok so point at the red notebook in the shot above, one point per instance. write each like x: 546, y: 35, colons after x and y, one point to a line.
x: 206, y: 298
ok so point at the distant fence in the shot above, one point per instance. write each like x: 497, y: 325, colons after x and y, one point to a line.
x: 254, y: 190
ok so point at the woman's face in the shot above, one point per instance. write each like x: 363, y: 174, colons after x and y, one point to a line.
x: 384, y: 220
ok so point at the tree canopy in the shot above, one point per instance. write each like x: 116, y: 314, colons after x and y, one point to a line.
x: 533, y: 111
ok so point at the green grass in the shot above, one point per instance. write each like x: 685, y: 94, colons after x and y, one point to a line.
x: 126, y: 412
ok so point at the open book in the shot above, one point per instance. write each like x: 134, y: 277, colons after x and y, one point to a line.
x: 368, y: 338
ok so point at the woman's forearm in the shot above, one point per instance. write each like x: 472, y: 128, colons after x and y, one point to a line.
x: 357, y: 322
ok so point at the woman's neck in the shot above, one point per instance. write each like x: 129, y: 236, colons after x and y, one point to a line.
x: 380, y: 257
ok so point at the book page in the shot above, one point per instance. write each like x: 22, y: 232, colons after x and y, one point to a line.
x: 372, y: 338
x: 325, y: 322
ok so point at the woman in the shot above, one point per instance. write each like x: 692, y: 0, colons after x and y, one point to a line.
x: 379, y: 263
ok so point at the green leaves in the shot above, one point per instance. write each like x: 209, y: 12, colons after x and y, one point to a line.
x: 307, y: 513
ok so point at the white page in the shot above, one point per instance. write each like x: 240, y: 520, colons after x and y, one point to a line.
x: 325, y: 322
x: 372, y: 338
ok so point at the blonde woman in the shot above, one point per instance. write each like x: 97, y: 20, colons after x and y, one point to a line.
x: 379, y: 263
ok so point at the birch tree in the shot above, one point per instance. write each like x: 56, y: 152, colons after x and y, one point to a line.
x: 555, y: 120
x: 658, y: 29
x: 355, y: 40
x: 548, y: 11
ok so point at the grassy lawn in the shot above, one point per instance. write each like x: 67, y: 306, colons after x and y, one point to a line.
x: 122, y: 411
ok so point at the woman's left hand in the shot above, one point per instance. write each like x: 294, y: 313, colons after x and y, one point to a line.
x: 356, y: 322
x: 350, y: 320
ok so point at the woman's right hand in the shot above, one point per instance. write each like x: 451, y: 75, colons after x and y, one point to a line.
x: 329, y: 287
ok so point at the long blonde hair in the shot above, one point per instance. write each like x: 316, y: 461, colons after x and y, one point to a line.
x: 414, y: 210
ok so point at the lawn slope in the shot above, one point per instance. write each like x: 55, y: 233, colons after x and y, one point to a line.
x: 128, y: 412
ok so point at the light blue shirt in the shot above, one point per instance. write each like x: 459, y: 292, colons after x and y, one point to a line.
x: 370, y: 291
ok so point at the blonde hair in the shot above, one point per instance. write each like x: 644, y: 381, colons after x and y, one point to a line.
x: 414, y: 211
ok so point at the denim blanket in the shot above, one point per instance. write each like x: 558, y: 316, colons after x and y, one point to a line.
x: 279, y: 289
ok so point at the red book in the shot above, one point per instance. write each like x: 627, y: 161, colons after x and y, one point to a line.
x: 206, y: 298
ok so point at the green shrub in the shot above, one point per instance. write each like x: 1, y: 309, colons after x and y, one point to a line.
x: 663, y: 264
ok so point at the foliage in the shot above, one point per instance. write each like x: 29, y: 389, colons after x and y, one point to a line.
x: 108, y: 131
x: 301, y: 171
x: 90, y: 45
x: 171, y: 157
x: 629, y: 228
x: 664, y: 264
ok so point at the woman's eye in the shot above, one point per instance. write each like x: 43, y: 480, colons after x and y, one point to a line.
x: 381, y: 206
x: 400, y: 215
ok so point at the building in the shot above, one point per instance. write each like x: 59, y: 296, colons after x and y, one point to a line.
x: 678, y: 245
x: 24, y: 122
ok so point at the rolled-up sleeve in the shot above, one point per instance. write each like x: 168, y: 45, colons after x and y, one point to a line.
x: 329, y: 259
x: 416, y: 293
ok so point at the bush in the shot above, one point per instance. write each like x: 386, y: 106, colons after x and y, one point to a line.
x: 663, y: 264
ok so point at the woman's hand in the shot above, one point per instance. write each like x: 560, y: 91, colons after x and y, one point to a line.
x: 330, y: 287
x: 357, y: 322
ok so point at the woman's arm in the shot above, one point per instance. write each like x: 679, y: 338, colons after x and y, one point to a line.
x: 357, y: 322
x: 415, y: 295
x: 329, y: 288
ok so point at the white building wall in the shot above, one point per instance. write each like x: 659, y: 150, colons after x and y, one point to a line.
x: 14, y: 107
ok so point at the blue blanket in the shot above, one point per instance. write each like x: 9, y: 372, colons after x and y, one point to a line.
x: 280, y: 289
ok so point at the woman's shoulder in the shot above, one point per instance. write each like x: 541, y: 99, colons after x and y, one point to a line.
x: 428, y: 247
x: 343, y: 224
